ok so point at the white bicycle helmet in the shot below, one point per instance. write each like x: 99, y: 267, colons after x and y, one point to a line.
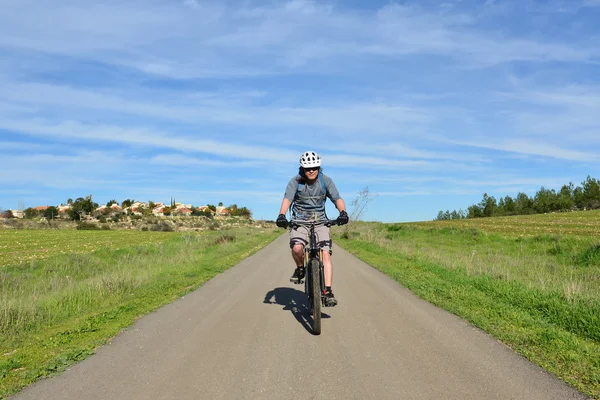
x: 310, y: 159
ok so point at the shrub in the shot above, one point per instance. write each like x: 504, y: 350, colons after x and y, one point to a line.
x: 350, y: 235
x: 589, y: 257
x: 163, y: 226
x: 222, y: 239
x: 87, y: 226
x: 394, y: 228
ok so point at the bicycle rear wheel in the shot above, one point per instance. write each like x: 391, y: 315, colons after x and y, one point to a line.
x: 316, y: 295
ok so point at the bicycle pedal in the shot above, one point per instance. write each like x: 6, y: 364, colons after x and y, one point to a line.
x: 330, y: 304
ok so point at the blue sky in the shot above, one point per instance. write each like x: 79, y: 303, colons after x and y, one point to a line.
x: 428, y: 104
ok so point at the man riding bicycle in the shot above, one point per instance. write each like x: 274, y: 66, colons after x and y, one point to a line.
x: 308, y: 192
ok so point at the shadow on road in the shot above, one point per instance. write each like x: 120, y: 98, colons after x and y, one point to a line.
x: 295, y: 301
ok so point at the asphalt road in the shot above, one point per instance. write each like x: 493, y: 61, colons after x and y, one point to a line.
x: 245, y: 335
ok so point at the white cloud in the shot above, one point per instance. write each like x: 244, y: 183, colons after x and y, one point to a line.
x: 141, y: 137
x: 161, y: 140
x: 192, y: 4
x: 166, y: 39
x: 529, y: 147
x: 224, y: 108
x: 181, y: 160
x: 578, y: 96
x: 561, y: 116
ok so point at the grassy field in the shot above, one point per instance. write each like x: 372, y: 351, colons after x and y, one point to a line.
x: 578, y: 224
x: 63, y: 293
x: 531, y: 281
x: 23, y: 246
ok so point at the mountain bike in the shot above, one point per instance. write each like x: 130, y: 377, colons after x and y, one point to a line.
x: 314, y: 281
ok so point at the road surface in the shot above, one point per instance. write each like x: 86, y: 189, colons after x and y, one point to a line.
x: 245, y: 335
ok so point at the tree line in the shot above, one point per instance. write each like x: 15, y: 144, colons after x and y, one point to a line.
x: 568, y: 198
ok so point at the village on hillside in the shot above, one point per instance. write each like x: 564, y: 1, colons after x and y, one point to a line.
x: 113, y: 209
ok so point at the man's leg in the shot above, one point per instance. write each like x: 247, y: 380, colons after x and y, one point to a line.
x: 297, y: 240
x: 328, y: 268
x: 330, y: 299
x: 325, y: 243
x: 298, y: 254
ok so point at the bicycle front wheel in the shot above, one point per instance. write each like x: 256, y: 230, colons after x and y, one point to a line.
x: 316, y: 295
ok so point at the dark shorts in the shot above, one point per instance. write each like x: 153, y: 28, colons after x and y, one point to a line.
x: 300, y: 235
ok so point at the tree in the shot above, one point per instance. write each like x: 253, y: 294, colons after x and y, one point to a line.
x: 82, y: 207
x: 488, y: 205
x: 202, y: 213
x: 111, y: 202
x: 565, y: 197
x: 501, y: 206
x: 233, y: 210
x: 509, y: 205
x: 545, y: 200
x: 197, y: 212
x: 127, y: 203
x: 455, y: 215
x: 31, y: 213
x: 360, y: 203
x: 50, y: 212
x: 7, y: 214
x: 591, y: 192
x: 579, y: 198
x: 474, y: 211
x: 212, y: 207
x: 523, y: 204
x: 244, y: 212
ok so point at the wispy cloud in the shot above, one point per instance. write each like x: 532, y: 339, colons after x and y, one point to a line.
x: 181, y: 160
x: 530, y: 147
x: 167, y: 39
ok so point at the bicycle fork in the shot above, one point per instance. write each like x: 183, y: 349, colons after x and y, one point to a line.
x: 322, y: 273
x: 308, y: 277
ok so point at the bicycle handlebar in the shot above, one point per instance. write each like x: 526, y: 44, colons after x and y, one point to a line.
x: 328, y: 223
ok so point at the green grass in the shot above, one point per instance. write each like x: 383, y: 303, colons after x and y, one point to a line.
x: 23, y: 246
x: 539, y: 293
x: 56, y: 310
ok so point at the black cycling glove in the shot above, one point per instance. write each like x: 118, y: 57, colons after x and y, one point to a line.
x: 343, y: 218
x: 281, y: 221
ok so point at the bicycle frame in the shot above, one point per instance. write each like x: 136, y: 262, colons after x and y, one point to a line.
x: 317, y: 274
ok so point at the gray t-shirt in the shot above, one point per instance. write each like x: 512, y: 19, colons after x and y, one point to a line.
x: 308, y: 202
